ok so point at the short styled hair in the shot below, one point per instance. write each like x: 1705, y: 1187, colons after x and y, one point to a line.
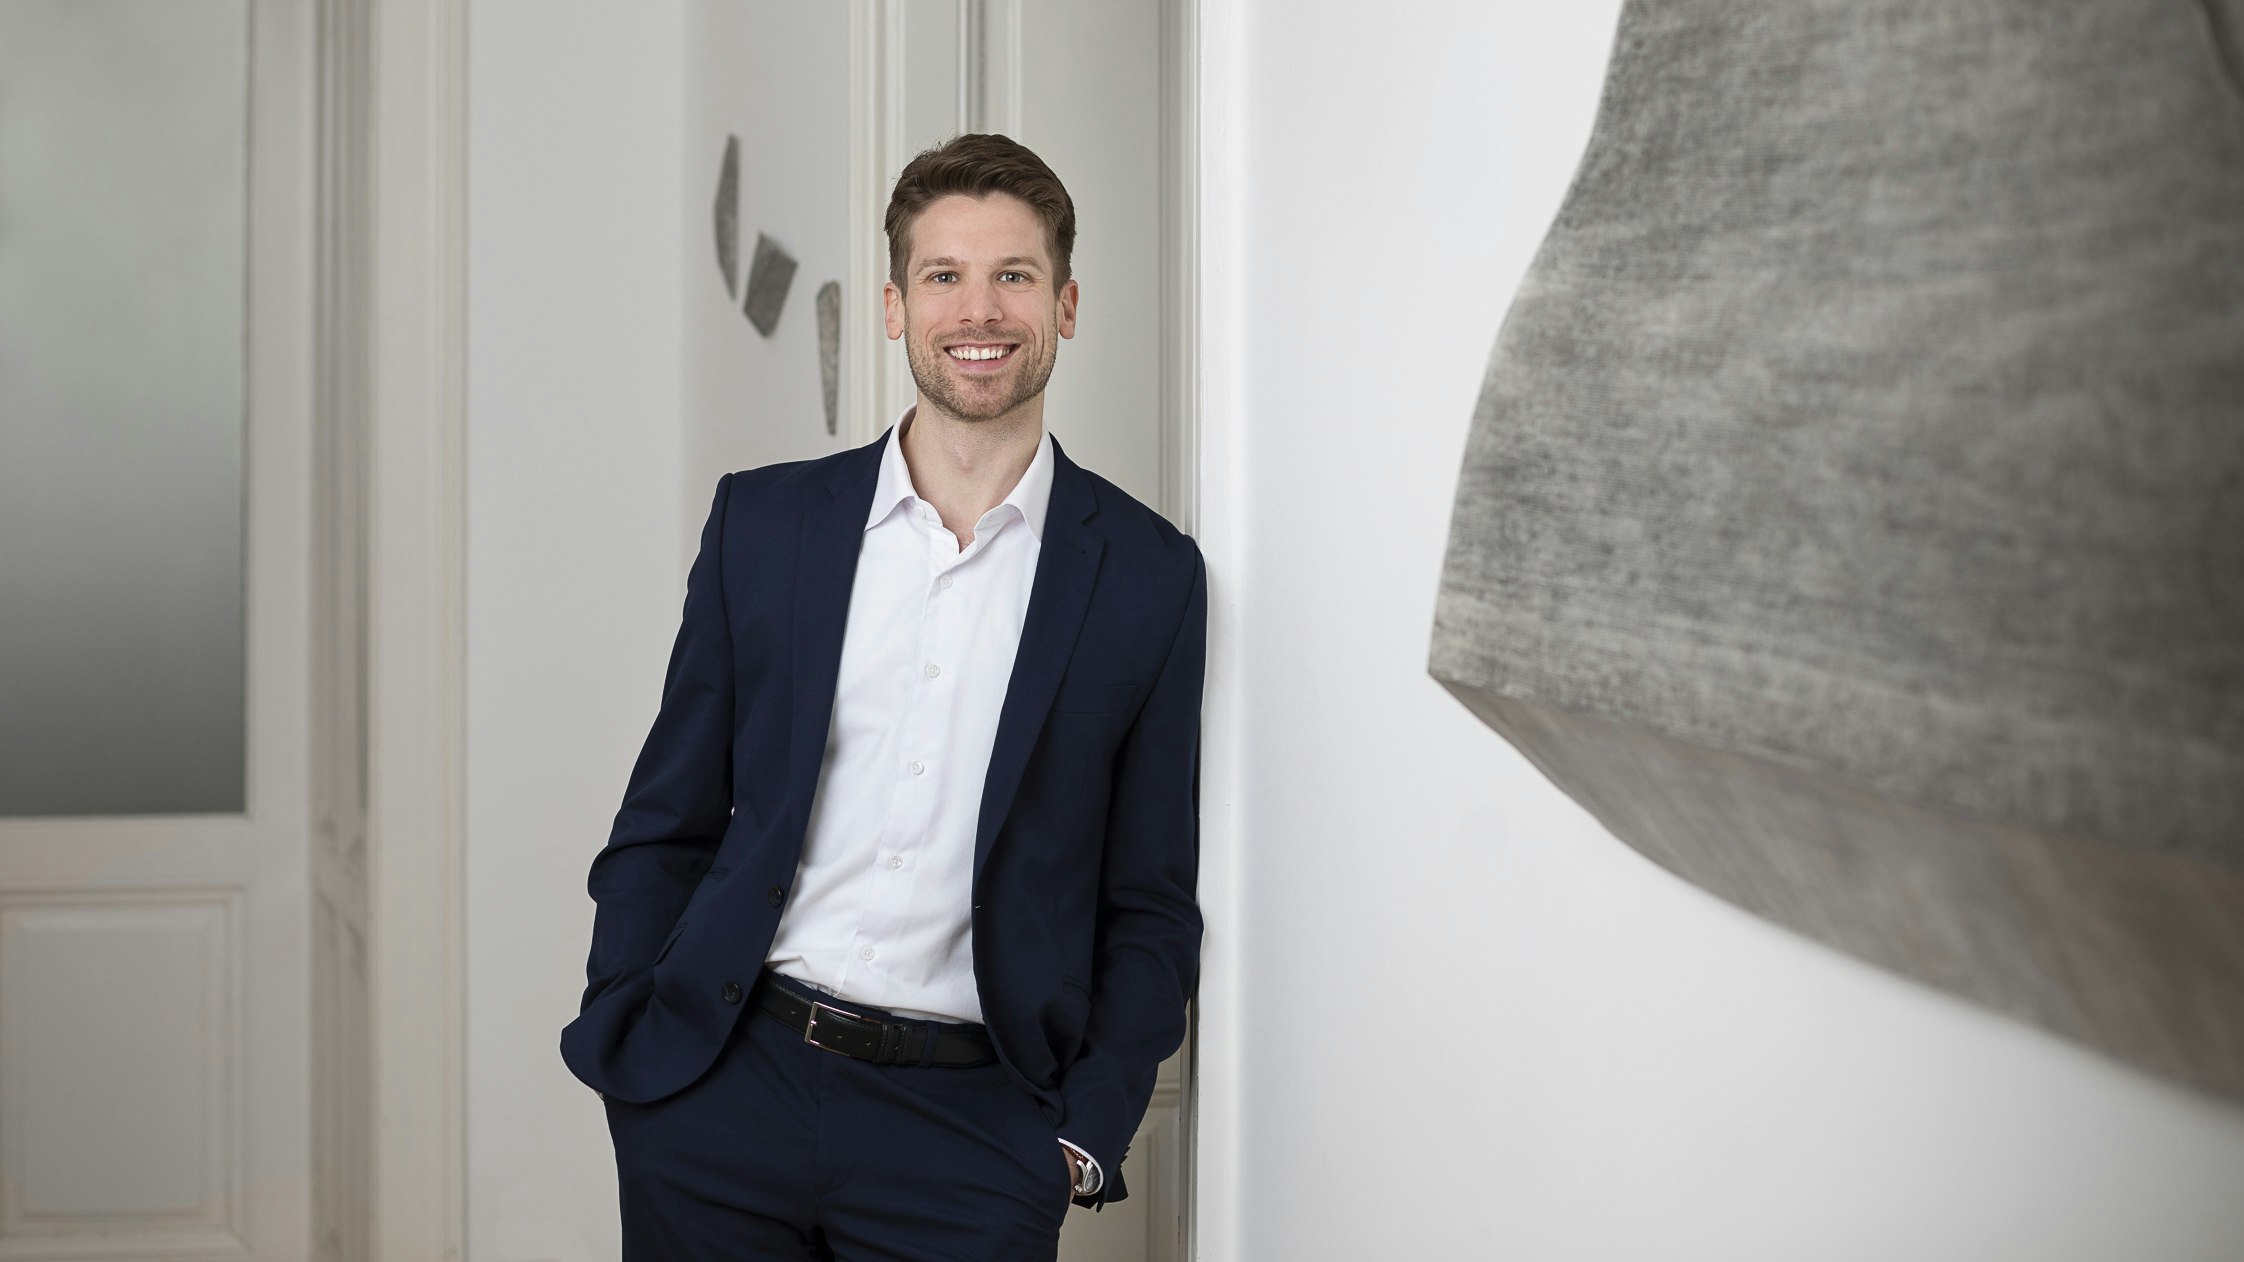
x: 978, y: 164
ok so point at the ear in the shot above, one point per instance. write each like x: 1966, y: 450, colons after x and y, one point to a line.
x: 1068, y: 296
x: 892, y: 301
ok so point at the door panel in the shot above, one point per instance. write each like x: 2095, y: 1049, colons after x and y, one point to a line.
x: 119, y: 1009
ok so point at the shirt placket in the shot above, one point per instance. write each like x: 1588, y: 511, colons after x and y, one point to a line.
x: 921, y: 721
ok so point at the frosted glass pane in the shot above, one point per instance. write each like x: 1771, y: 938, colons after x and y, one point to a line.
x: 123, y: 173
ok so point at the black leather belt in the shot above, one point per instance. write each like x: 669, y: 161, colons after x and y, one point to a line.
x: 836, y: 1029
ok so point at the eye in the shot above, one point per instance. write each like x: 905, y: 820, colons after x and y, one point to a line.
x: 1019, y: 276
x: 936, y: 276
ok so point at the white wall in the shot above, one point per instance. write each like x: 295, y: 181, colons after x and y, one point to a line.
x: 1451, y: 1017
x: 775, y: 74
x: 574, y: 576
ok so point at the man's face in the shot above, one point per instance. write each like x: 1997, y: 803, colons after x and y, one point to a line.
x: 980, y: 317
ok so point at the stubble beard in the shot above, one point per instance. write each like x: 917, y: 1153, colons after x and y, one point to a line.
x: 930, y: 372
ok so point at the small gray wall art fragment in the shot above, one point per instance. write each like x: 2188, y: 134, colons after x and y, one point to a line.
x: 769, y: 274
x: 829, y: 351
x: 727, y: 215
x: 1853, y: 513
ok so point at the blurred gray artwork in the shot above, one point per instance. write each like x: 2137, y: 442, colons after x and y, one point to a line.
x: 769, y: 274
x: 727, y: 214
x: 830, y: 351
x: 1853, y: 514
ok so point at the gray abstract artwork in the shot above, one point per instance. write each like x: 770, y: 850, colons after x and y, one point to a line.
x: 727, y: 215
x: 1853, y: 514
x: 830, y: 351
x: 769, y: 274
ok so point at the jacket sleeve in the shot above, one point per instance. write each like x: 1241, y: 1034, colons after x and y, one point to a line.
x: 679, y: 798
x: 1146, y: 960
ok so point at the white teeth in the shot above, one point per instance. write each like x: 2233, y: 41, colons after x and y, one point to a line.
x: 978, y: 352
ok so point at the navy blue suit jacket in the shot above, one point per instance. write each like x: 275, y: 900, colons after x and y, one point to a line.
x: 1086, y: 932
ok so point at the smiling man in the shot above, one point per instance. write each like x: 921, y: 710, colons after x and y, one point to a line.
x: 897, y: 920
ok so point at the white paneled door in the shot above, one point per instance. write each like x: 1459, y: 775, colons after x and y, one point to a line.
x: 158, y: 832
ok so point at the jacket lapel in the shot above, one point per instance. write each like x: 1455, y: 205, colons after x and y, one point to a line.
x: 1067, y: 562
x: 833, y: 531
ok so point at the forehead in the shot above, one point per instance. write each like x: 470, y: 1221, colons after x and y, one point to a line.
x: 987, y: 228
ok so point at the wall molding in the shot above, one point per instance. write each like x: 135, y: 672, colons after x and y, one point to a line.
x: 416, y: 553
x: 1180, y: 259
x: 876, y: 131
x: 342, y: 1106
x: 1215, y: 1104
x: 876, y: 381
x: 989, y: 78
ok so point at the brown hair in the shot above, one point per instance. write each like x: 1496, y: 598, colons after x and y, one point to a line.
x: 978, y: 164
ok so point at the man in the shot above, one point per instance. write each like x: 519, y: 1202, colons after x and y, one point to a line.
x: 896, y: 921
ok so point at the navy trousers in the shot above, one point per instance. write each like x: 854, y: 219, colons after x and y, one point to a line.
x: 785, y: 1150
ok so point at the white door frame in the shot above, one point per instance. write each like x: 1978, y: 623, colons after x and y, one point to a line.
x: 416, y: 545
x: 1216, y: 86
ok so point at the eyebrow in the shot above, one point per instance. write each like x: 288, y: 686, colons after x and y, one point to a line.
x: 1015, y: 261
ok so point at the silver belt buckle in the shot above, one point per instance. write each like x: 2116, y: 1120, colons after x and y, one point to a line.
x: 810, y: 1027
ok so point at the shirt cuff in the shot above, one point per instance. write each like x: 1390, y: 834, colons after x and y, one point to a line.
x: 1098, y: 1176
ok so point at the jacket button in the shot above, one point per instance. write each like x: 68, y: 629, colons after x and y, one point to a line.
x: 776, y: 895
x: 732, y: 992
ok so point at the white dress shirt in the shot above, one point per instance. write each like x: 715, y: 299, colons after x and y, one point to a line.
x: 882, y: 905
x: 881, y: 909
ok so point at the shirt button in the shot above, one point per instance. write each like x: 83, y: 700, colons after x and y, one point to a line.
x: 864, y: 953
x: 933, y: 670
x: 944, y: 582
x: 918, y: 767
x: 895, y: 861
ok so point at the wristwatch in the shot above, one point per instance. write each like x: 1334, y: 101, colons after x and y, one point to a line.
x: 1088, y: 1180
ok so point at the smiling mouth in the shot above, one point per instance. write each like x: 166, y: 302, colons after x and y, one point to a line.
x: 981, y: 352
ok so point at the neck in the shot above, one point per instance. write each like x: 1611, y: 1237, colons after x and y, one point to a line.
x: 966, y: 468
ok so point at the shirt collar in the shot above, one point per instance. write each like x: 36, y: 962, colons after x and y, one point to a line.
x: 1031, y: 496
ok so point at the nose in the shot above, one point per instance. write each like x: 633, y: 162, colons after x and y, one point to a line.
x: 979, y: 304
